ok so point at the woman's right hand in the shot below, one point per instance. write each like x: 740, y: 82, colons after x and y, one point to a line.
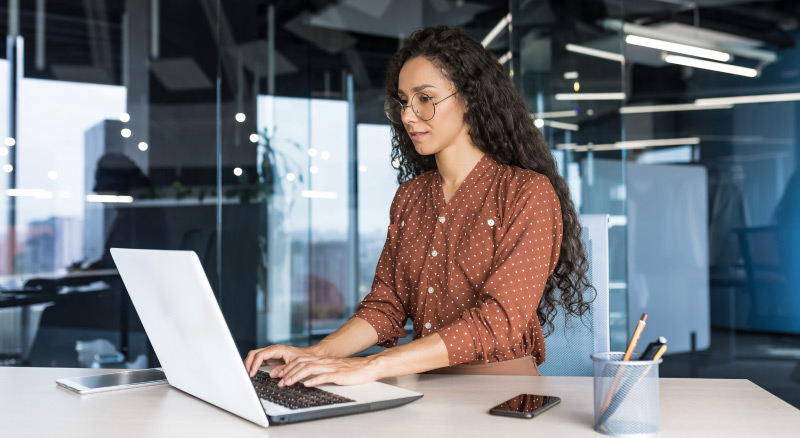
x: 255, y: 358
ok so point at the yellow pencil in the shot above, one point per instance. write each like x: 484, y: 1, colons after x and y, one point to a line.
x: 635, y: 337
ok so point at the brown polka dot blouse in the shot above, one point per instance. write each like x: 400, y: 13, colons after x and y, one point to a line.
x: 472, y: 269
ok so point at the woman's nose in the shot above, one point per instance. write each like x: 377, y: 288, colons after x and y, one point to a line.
x: 407, y: 114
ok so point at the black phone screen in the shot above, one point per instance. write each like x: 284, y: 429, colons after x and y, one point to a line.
x: 525, y: 405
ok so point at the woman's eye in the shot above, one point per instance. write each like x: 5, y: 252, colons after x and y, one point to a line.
x: 403, y: 102
x: 424, y: 98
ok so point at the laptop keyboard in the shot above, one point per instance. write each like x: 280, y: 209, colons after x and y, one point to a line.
x: 296, y: 396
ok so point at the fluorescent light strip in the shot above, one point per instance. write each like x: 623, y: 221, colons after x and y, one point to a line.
x: 669, y: 108
x: 110, y: 199
x: 570, y: 75
x: 710, y: 65
x: 590, y: 96
x: 633, y: 144
x: 561, y: 125
x: 496, y: 30
x: 505, y: 58
x: 761, y: 98
x: 318, y: 194
x: 29, y: 193
x: 555, y: 114
x: 583, y: 50
x: 653, y: 43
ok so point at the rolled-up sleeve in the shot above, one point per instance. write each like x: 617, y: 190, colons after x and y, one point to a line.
x: 525, y: 257
x: 382, y: 307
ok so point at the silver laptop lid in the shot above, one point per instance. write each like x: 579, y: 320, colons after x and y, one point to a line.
x: 181, y: 316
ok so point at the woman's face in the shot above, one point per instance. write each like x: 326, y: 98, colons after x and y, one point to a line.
x: 447, y: 127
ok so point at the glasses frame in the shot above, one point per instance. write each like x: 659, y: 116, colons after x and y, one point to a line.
x: 411, y: 104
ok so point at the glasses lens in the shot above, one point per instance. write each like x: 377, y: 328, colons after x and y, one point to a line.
x: 393, y: 109
x: 423, y: 106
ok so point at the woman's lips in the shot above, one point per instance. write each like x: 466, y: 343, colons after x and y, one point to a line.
x: 416, y: 135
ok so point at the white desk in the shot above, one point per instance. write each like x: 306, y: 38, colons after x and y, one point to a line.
x: 31, y: 405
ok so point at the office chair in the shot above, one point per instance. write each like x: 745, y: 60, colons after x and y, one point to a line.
x: 568, y: 348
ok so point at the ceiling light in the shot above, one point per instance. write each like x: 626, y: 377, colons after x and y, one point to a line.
x: 669, y: 108
x: 240, y: 117
x: 590, y: 96
x: 317, y: 194
x: 710, y: 65
x: 505, y: 58
x: 32, y: 193
x: 570, y: 75
x: 560, y: 125
x: 142, y: 146
x: 686, y: 49
x: 583, y: 50
x: 556, y: 114
x: 112, y: 199
x: 633, y: 144
x: 762, y: 98
x: 10, y: 141
x: 496, y: 30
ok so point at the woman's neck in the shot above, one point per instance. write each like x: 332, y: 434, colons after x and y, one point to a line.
x: 454, y: 164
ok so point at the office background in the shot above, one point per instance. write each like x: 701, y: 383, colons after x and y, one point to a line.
x: 252, y: 132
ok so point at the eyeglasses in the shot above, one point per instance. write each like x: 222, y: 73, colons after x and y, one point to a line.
x: 423, y: 106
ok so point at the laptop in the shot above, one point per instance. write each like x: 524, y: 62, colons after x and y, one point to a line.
x: 180, y: 314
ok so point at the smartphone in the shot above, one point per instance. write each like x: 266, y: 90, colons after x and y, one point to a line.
x: 114, y: 381
x: 525, y: 405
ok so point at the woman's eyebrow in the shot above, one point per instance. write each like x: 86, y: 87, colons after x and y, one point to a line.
x: 416, y: 89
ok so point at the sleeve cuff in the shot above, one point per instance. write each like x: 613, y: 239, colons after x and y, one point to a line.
x: 388, y: 331
x: 460, y: 342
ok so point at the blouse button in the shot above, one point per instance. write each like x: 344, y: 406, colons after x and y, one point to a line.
x: 434, y: 253
x: 427, y: 325
x: 490, y: 222
x: 430, y: 290
x: 441, y: 219
x: 403, y: 224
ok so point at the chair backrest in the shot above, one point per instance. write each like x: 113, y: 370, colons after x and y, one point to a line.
x: 568, y: 347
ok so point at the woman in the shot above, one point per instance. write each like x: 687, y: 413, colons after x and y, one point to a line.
x: 483, y: 231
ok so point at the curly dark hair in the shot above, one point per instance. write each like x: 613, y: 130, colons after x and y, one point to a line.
x: 500, y: 126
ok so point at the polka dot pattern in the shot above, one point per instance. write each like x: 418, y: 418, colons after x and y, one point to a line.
x: 472, y: 269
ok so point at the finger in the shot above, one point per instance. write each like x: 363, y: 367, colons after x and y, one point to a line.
x: 274, y: 372
x: 305, y: 371
x: 295, y: 362
x: 248, y: 361
x: 263, y: 355
x: 320, y: 379
x: 291, y: 369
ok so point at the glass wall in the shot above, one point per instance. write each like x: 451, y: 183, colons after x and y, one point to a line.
x: 252, y: 133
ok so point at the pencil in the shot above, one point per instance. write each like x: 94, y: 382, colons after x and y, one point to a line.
x: 635, y: 337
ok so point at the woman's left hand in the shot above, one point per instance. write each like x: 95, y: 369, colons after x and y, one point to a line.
x: 340, y: 371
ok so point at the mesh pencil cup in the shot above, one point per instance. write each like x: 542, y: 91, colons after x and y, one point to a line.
x: 625, y: 395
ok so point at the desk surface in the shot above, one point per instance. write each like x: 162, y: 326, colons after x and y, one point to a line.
x: 31, y: 405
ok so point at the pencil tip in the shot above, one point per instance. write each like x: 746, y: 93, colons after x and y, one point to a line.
x: 644, y: 317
